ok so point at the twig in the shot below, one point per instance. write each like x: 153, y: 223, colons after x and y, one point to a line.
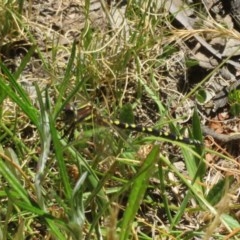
x: 221, y: 137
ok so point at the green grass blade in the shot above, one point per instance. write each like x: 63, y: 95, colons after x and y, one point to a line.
x: 14, y: 182
x: 65, y: 83
x: 24, y: 62
x: 163, y: 190
x: 180, y: 211
x: 19, y: 96
x: 217, y: 192
x: 138, y: 189
x: 15, y: 85
x: 58, y: 149
x: 195, y: 164
x: 197, y: 134
x: 45, y: 139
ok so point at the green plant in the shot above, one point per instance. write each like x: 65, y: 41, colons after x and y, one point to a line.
x: 234, y: 101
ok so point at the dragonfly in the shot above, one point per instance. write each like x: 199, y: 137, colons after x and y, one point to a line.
x: 87, y: 111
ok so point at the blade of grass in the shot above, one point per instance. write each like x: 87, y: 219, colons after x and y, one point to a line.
x: 78, y: 212
x: 197, y: 134
x: 58, y: 150
x: 138, y: 190
x: 14, y: 182
x: 45, y: 139
x: 19, y: 96
x: 163, y: 191
x: 24, y: 62
x: 65, y: 83
x: 14, y: 84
